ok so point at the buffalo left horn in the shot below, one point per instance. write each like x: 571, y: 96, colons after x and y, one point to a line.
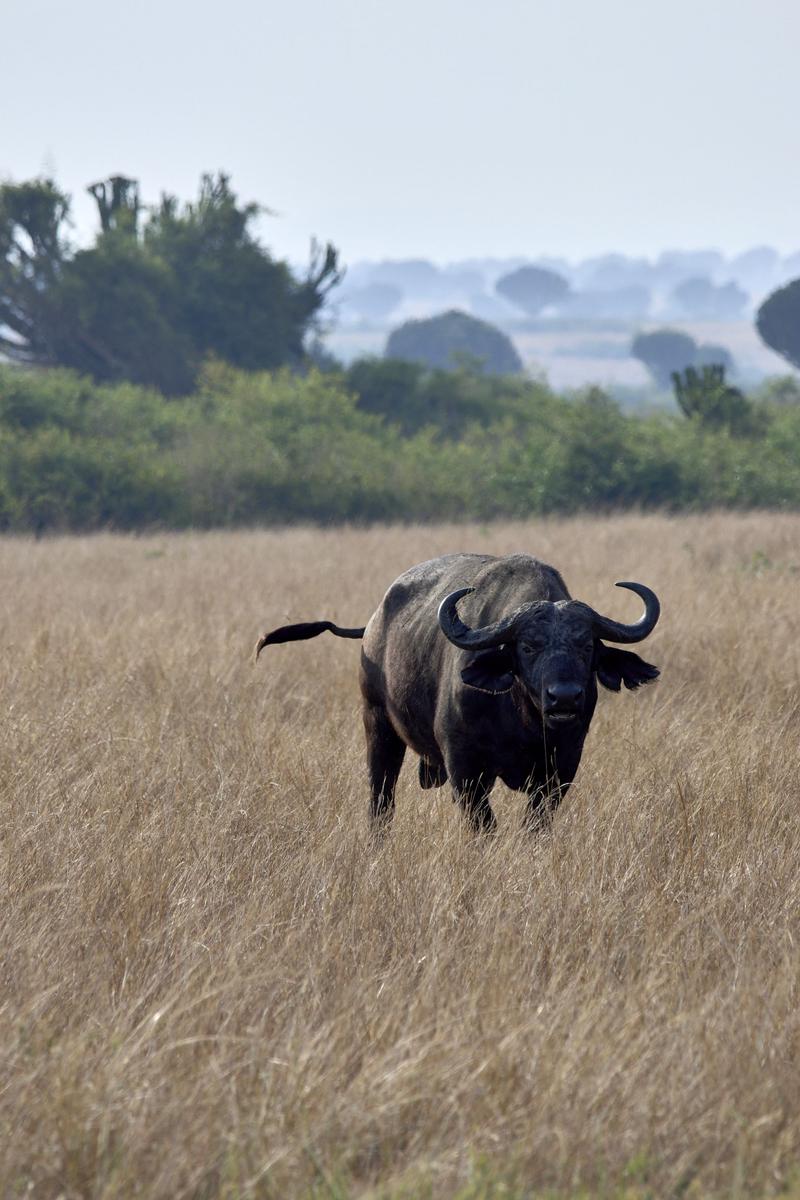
x: 615, y: 631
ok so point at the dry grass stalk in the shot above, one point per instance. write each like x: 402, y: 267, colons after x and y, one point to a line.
x: 213, y: 983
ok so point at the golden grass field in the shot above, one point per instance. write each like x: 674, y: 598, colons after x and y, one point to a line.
x: 213, y: 983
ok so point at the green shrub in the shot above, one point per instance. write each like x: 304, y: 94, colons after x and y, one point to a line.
x: 375, y: 443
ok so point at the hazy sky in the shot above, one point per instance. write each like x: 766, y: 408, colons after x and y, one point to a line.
x: 432, y: 128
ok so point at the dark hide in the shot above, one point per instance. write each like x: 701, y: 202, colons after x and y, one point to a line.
x: 515, y: 708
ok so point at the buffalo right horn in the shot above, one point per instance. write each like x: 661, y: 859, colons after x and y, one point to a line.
x: 461, y: 635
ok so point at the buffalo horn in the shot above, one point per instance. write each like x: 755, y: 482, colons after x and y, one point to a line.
x: 461, y: 635
x: 614, y: 631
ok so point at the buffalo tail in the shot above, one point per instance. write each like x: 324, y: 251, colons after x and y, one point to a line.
x: 303, y: 631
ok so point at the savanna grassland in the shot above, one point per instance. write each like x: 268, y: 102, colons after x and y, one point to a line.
x: 213, y: 983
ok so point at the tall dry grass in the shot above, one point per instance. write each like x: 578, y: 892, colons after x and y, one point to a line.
x: 214, y: 984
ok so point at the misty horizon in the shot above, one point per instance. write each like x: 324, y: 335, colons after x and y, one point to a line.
x: 440, y: 129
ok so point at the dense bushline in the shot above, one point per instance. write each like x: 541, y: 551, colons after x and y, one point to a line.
x: 381, y: 441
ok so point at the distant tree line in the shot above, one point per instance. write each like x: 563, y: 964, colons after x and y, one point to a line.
x: 680, y: 285
x: 665, y: 351
x: 444, y: 340
x: 454, y: 338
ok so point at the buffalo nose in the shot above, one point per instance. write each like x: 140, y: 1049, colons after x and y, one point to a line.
x: 564, y: 695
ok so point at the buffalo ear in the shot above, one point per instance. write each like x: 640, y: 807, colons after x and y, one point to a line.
x: 490, y: 670
x: 615, y: 667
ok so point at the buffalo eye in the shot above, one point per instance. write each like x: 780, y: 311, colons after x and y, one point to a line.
x: 530, y: 647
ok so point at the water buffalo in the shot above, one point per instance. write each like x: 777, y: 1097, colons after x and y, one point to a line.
x: 509, y: 695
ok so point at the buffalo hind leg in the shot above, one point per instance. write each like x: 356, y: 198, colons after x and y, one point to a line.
x: 385, y: 751
x: 431, y: 774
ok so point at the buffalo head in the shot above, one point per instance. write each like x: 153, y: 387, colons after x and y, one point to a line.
x: 553, y: 648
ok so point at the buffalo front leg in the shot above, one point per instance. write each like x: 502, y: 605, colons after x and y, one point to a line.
x: 385, y: 751
x: 543, y: 800
x: 546, y: 789
x: 471, y: 788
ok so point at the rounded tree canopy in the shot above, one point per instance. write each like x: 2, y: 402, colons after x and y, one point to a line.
x: 451, y: 339
x: 778, y: 322
x: 664, y: 351
x: 709, y: 354
x: 532, y: 288
x: 700, y: 297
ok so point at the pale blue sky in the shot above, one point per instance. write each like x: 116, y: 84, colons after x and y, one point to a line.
x: 426, y: 128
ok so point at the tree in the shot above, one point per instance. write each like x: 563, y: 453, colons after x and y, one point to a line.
x: 452, y: 337
x: 701, y: 298
x: 664, y: 351
x: 709, y: 354
x: 532, y: 288
x: 781, y: 390
x: 778, y: 322
x: 391, y: 388
x: 150, y: 304
x: 413, y: 276
x: 374, y: 301
x: 33, y: 250
x: 122, y: 317
x: 704, y: 395
x: 117, y: 201
x: 626, y: 303
x: 235, y: 300
x: 758, y: 270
